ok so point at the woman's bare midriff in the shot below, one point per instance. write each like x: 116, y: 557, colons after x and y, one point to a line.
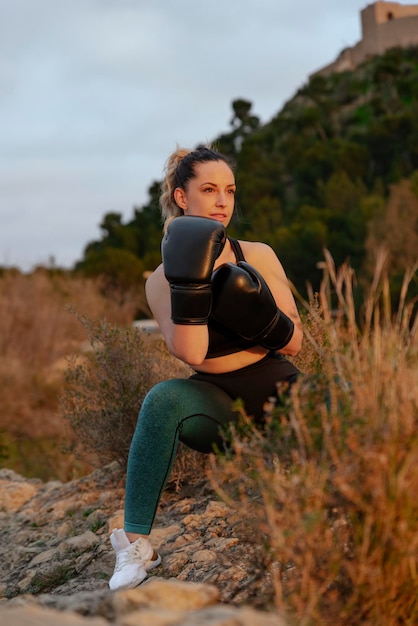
x: 231, y: 362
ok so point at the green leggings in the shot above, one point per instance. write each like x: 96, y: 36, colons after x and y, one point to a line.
x: 175, y: 410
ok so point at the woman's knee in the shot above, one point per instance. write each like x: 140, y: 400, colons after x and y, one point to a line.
x: 180, y: 398
x: 164, y: 402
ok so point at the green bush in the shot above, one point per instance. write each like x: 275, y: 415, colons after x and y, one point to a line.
x: 103, y: 394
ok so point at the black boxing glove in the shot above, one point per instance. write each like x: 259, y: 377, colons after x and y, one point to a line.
x: 243, y: 303
x: 189, y: 250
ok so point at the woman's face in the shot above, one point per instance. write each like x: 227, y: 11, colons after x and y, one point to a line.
x: 211, y: 193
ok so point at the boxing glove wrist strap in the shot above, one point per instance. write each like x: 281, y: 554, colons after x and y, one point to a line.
x: 190, y: 304
x: 278, y: 333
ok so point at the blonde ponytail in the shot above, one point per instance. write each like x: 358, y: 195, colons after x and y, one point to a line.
x: 169, y: 207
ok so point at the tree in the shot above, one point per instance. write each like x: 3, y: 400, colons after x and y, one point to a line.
x: 396, y: 229
x: 243, y: 124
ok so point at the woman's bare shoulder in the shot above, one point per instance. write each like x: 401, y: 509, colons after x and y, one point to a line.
x: 262, y: 257
x: 256, y: 250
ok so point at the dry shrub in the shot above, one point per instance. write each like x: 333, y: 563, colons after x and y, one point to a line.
x: 103, y: 395
x: 332, y: 484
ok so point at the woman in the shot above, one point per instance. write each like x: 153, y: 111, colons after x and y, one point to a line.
x: 225, y: 308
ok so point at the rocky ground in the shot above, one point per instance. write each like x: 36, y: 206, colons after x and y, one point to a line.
x: 56, y: 556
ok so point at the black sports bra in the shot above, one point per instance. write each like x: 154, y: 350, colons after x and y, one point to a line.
x: 236, y: 247
x: 223, y: 341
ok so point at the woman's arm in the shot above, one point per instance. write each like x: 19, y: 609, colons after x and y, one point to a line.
x: 189, y: 343
x: 263, y: 258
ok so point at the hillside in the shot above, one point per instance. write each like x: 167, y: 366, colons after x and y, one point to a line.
x: 324, y: 167
x: 317, y: 175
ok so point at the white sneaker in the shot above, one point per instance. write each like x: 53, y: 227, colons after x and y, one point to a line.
x: 133, y: 560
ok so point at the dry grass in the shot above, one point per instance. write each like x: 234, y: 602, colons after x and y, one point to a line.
x: 49, y: 324
x: 38, y: 333
x: 333, y: 486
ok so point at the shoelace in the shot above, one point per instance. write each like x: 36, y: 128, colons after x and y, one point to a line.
x: 129, y: 555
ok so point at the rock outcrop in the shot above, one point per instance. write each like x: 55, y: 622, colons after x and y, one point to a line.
x: 56, y: 558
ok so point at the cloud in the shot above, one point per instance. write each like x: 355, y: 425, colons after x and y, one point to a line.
x: 94, y: 95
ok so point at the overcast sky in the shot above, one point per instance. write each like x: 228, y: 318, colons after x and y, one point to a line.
x: 95, y: 94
